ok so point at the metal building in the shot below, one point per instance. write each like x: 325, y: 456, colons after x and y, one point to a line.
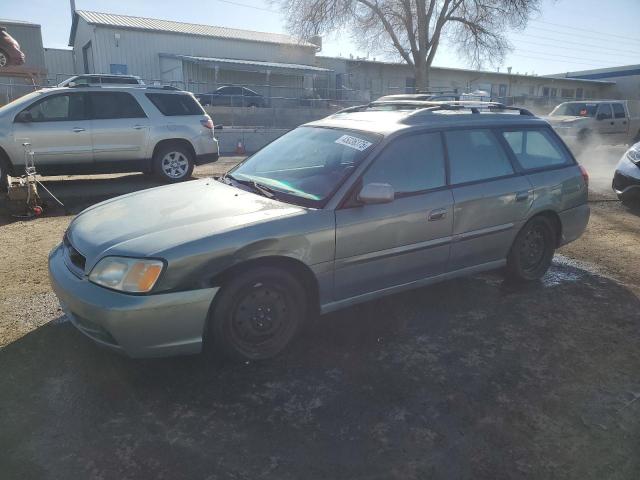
x: 195, y: 57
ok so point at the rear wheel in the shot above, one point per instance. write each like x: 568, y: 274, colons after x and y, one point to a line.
x: 532, y: 251
x: 4, y: 59
x: 173, y: 163
x: 4, y: 171
x: 257, y: 314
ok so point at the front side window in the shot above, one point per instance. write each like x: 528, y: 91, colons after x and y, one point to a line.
x: 604, y: 111
x: 59, y: 108
x: 410, y: 164
x: 108, y: 105
x: 307, y: 164
x: 576, y: 109
x: 476, y: 155
x: 535, y: 149
x: 173, y: 105
x: 618, y: 110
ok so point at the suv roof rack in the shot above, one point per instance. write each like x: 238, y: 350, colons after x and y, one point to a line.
x: 422, y: 107
x: 125, y: 85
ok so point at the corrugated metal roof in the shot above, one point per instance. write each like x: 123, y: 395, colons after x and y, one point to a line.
x: 6, y: 21
x: 289, y: 66
x: 142, y: 23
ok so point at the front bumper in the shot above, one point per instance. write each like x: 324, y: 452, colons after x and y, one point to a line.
x: 137, y: 325
x: 626, y: 180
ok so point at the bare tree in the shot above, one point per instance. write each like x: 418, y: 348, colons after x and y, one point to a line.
x: 415, y: 28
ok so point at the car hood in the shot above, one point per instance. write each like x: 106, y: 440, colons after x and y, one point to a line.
x: 149, y: 222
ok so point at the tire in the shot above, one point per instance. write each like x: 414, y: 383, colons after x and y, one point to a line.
x: 4, y: 171
x: 532, y: 251
x: 4, y: 59
x: 256, y: 315
x: 173, y: 163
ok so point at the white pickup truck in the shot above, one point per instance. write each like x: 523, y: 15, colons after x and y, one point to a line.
x: 610, y: 122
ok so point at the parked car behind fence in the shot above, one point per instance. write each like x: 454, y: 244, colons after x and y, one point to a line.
x: 232, y: 96
x: 107, y: 129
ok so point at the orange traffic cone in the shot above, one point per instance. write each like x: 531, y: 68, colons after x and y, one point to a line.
x: 240, y: 150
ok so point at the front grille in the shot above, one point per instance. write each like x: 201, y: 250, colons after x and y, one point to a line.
x: 76, y: 258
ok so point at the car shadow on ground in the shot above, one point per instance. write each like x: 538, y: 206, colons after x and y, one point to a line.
x: 472, y: 378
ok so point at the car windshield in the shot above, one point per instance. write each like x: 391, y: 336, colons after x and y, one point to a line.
x: 308, y: 164
x: 575, y: 110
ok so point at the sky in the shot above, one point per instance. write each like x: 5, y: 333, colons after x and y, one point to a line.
x: 566, y: 35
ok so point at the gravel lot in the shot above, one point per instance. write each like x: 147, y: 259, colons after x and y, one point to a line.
x: 472, y: 378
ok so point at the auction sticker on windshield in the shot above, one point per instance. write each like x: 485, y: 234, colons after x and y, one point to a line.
x: 353, y: 142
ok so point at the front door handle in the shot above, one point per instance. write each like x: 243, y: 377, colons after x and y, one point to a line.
x: 437, y: 214
x: 522, y: 196
x: 78, y: 129
x: 138, y: 127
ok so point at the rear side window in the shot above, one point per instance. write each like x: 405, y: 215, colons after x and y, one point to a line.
x: 618, y: 110
x: 476, y: 155
x: 410, y: 164
x: 535, y: 149
x: 174, y: 105
x: 108, y: 105
x: 604, y: 111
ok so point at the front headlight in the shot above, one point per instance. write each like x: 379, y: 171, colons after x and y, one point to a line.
x: 127, y: 274
x: 633, y: 153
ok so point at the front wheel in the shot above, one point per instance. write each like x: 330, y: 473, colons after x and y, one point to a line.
x: 256, y: 314
x: 532, y: 251
x: 4, y: 59
x: 173, y: 163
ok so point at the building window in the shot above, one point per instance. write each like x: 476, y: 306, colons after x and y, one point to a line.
x: 502, y: 90
x: 579, y: 93
x: 118, y: 69
x: 410, y: 85
x: 545, y: 91
x: 567, y: 93
x: 532, y: 90
x: 554, y: 92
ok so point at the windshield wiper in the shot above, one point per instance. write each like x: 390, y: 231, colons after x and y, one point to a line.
x: 261, y: 189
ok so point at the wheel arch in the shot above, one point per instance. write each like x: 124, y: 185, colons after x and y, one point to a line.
x: 553, y: 217
x: 6, y: 160
x: 295, y: 267
x: 174, y: 141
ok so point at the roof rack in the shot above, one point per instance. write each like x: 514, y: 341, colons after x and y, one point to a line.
x: 422, y: 107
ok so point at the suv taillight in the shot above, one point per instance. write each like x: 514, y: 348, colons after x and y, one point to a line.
x: 585, y: 175
x: 207, y: 123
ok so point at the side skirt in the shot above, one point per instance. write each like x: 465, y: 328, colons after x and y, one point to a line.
x: 332, y: 306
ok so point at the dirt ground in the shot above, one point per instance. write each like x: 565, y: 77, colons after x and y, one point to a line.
x: 472, y: 378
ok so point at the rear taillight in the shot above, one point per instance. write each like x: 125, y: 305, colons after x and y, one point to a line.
x: 207, y: 123
x: 585, y: 175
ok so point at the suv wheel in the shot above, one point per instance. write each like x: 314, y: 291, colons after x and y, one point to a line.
x: 4, y: 171
x: 173, y: 163
x: 4, y: 60
x: 532, y: 251
x: 257, y: 314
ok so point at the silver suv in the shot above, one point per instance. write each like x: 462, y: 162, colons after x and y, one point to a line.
x: 362, y: 204
x: 107, y: 129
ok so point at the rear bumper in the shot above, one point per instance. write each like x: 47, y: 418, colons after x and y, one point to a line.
x: 137, y: 325
x: 574, y: 222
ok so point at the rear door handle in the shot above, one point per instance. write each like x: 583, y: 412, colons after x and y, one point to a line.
x: 78, y: 129
x: 138, y: 127
x: 437, y: 214
x: 522, y: 196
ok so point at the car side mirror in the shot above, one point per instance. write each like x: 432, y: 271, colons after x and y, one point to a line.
x: 601, y: 116
x: 24, y: 117
x: 373, y: 193
x: 218, y: 127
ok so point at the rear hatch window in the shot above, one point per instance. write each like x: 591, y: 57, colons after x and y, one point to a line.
x: 174, y: 105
